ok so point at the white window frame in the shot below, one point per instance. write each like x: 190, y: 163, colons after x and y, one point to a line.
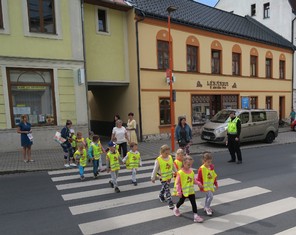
x: 6, y: 29
x: 58, y: 22
x: 107, y: 21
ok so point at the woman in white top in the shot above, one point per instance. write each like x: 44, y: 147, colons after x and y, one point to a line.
x: 119, y: 136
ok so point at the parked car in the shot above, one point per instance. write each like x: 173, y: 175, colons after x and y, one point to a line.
x: 256, y: 124
x: 293, y: 125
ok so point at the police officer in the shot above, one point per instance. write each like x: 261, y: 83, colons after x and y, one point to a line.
x: 233, y: 141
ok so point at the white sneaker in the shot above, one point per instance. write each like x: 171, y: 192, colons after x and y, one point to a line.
x: 73, y: 164
x: 197, y: 219
x: 208, y: 211
x: 67, y: 165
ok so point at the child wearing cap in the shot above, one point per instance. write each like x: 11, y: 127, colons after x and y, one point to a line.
x: 113, y: 166
x: 133, y: 160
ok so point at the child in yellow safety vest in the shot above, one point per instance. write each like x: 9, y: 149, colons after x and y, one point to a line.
x: 178, y: 165
x: 80, y: 139
x: 113, y: 166
x: 89, y: 139
x: 132, y: 161
x: 94, y: 152
x: 80, y: 156
x: 207, y: 180
x: 185, y: 188
x: 164, y: 165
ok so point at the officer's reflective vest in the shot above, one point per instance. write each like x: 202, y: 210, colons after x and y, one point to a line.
x: 208, y: 177
x: 231, y: 128
x: 114, y: 160
x: 166, y: 168
x: 133, y: 160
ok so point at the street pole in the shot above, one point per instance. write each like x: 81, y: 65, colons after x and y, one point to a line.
x: 171, y: 9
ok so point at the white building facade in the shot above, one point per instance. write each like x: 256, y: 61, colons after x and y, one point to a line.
x: 278, y: 15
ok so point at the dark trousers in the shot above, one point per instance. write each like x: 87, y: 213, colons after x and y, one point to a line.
x: 234, y: 148
x: 192, y: 201
x: 123, y: 148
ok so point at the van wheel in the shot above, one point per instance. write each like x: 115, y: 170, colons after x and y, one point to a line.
x: 269, y: 137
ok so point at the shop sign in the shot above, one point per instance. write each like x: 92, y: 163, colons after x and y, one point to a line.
x: 216, y: 84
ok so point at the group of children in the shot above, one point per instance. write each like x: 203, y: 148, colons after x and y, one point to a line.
x: 165, y: 169
x: 181, y: 170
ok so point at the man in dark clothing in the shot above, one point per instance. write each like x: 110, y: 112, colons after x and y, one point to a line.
x: 233, y: 141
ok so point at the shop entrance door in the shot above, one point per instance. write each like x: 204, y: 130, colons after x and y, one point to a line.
x: 215, y: 104
x: 282, y: 108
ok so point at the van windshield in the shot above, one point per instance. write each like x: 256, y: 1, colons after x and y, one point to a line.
x: 221, y: 116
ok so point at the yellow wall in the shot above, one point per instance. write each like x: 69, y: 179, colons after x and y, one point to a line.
x: 153, y: 83
x: 105, y: 53
x: 67, y: 95
x: 2, y: 105
x: 18, y: 45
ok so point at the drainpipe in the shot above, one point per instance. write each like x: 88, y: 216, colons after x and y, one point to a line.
x: 293, y: 60
x: 138, y: 72
x: 84, y: 61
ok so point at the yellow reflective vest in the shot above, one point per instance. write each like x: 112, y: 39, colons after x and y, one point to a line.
x: 178, y: 164
x: 231, y: 128
x: 113, y: 160
x: 208, y: 177
x: 133, y: 160
x: 166, y: 168
x: 81, y: 156
x: 97, y: 150
x: 187, y: 182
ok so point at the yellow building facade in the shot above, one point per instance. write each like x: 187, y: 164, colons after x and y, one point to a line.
x: 41, y: 70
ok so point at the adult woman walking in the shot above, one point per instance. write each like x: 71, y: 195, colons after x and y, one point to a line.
x: 183, y: 134
x: 119, y: 136
x: 131, y: 129
x: 67, y: 146
x: 24, y: 129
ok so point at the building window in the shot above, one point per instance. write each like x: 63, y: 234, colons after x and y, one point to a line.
x: 1, y: 16
x: 31, y: 92
x: 163, y: 54
x: 268, y: 102
x: 216, y: 62
x: 282, y: 69
x: 235, y: 64
x: 102, y: 21
x: 253, y: 66
x: 164, y: 111
x: 192, y: 58
x: 253, y: 9
x: 268, y: 68
x: 266, y: 11
x: 253, y: 102
x: 41, y: 16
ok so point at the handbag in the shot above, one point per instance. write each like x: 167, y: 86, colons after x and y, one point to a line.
x: 182, y: 142
x: 58, y: 138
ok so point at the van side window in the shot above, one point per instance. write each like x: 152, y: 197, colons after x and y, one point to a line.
x: 258, y: 116
x: 244, y: 117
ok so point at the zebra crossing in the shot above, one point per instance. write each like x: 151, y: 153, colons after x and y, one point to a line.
x: 139, y: 206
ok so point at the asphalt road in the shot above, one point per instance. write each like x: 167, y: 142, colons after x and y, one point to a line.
x: 257, y: 197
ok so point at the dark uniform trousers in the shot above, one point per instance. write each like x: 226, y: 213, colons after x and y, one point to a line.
x: 234, y: 148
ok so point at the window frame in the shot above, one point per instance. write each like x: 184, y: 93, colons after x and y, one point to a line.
x: 191, y: 56
x: 167, y: 111
x: 161, y: 51
x: 268, y: 102
x: 282, y: 69
x: 253, y: 66
x: 216, y: 62
x: 253, y: 102
x: 107, y: 23
x: 51, y: 85
x: 41, y: 20
x: 266, y: 10
x: 236, y: 64
x: 268, y: 68
x: 253, y: 9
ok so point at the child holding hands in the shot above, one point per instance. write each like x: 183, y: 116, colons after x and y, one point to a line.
x: 94, y: 152
x: 207, y: 179
x: 113, y: 166
x: 185, y: 188
x: 80, y: 156
x: 164, y: 165
x: 133, y: 160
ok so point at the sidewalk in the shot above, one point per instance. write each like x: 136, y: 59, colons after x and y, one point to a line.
x: 52, y: 159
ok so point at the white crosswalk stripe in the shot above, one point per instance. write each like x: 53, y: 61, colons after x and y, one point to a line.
x: 146, y: 193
